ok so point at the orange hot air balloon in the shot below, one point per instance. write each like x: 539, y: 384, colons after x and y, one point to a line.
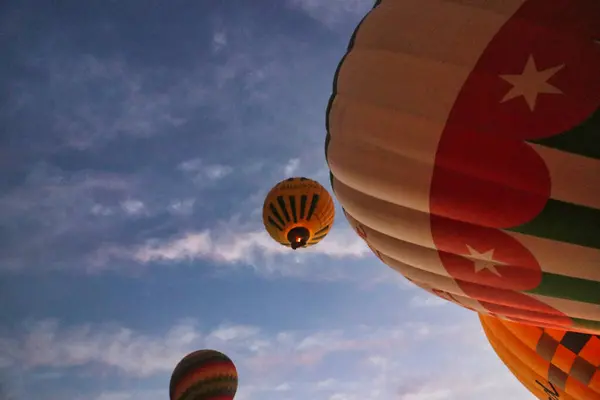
x: 298, y: 212
x: 204, y: 375
x: 552, y: 363
x: 464, y: 146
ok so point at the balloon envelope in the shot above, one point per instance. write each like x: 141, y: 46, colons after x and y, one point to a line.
x: 298, y: 212
x: 464, y: 146
x: 204, y: 375
x: 552, y: 363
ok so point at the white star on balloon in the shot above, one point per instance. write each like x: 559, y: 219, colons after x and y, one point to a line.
x: 483, y: 261
x: 531, y: 83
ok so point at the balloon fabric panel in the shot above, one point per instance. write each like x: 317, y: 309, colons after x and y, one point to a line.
x: 472, y: 130
x: 204, y: 375
x: 562, y: 361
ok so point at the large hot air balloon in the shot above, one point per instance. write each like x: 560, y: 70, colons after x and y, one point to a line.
x: 552, y: 363
x: 464, y: 146
x: 298, y: 212
x: 204, y: 375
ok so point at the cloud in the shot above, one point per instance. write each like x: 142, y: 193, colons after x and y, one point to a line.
x: 151, y: 127
x: 51, y: 205
x: 202, y: 245
x: 356, y: 362
x: 233, y: 243
x: 284, y: 387
x: 219, y: 40
x: 233, y: 333
x: 201, y: 172
x: 99, y: 99
x: 151, y: 394
x: 428, y: 394
x: 182, y: 206
x: 333, y: 12
x: 49, y: 344
x: 291, y: 167
x: 114, y: 93
x: 489, y: 380
x: 326, y: 384
x: 133, y: 206
x: 90, y: 218
x: 101, y: 210
x: 427, y: 300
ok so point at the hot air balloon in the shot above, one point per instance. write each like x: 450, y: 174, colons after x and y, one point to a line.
x: 464, y: 147
x: 298, y: 212
x: 552, y: 363
x: 204, y: 375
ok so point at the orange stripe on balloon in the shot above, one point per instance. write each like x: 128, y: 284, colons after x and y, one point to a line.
x: 510, y: 341
x: 536, y: 383
x: 525, y: 361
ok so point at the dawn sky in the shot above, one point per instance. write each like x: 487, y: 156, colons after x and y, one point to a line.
x: 138, y: 141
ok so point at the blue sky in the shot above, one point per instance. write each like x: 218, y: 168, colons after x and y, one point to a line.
x: 139, y: 139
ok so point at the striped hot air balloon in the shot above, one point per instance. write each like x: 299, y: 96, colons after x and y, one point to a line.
x: 298, y: 212
x: 204, y: 375
x: 552, y: 363
x: 464, y: 146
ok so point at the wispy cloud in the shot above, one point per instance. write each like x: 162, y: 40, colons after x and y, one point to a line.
x: 132, y: 395
x: 182, y: 206
x: 100, y: 99
x: 90, y: 99
x: 47, y: 343
x: 157, y: 126
x: 291, y: 167
x: 235, y: 243
x: 426, y: 299
x: 385, y: 358
x: 219, y: 40
x: 133, y: 206
x: 50, y: 205
x: 201, y: 172
x: 332, y: 12
x: 357, y: 362
x: 88, y: 219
